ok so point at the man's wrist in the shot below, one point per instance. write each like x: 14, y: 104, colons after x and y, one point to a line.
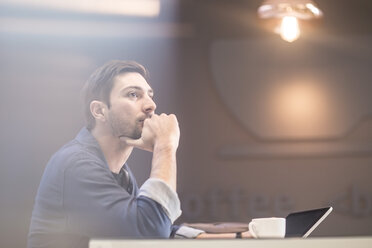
x: 165, y: 147
x: 164, y: 165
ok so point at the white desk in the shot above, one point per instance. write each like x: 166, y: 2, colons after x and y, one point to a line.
x: 339, y: 242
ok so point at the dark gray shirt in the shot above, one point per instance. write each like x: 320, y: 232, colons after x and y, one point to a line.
x: 79, y: 198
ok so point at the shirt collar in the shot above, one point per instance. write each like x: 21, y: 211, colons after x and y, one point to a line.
x: 86, y: 138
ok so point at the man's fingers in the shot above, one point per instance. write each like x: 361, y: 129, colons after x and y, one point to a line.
x: 132, y: 142
x: 138, y: 143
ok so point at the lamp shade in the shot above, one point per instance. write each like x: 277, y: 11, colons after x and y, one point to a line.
x: 302, y: 9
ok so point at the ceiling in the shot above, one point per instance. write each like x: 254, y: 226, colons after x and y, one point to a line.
x: 201, y: 18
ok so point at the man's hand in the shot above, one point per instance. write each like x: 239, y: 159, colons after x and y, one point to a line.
x: 160, y: 135
x: 159, y: 131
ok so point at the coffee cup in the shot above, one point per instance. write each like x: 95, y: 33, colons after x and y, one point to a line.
x: 267, y: 227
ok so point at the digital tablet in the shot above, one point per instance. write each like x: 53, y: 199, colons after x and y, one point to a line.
x: 301, y: 224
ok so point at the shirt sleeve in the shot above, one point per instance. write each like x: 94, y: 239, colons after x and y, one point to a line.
x: 96, y: 206
x: 159, y: 191
x: 185, y: 232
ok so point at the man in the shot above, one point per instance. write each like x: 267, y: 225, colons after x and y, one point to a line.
x: 88, y: 190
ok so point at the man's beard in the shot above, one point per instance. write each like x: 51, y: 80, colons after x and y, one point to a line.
x: 123, y: 128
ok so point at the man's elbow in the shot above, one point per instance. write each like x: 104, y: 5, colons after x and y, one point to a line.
x: 153, y: 221
x: 155, y: 230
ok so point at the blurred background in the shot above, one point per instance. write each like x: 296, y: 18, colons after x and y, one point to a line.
x: 268, y: 126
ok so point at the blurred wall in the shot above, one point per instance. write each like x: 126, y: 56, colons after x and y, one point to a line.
x: 245, y: 151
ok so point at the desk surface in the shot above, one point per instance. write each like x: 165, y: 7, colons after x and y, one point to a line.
x: 339, y: 242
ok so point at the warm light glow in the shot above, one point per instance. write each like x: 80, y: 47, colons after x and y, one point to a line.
x: 289, y: 29
x: 302, y: 9
x: 289, y: 11
x: 300, y: 107
x: 265, y: 8
x: 313, y: 9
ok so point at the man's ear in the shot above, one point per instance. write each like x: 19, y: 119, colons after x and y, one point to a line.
x: 98, y: 110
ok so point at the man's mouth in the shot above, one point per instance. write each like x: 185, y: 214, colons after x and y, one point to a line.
x: 143, y: 119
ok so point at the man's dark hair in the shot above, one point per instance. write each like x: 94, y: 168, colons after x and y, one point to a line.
x: 99, y: 85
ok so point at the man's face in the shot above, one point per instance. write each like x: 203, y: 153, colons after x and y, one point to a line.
x: 130, y: 104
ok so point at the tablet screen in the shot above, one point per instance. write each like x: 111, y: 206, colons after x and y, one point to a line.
x: 301, y: 224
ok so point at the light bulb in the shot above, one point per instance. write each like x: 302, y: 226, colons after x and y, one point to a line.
x: 289, y: 29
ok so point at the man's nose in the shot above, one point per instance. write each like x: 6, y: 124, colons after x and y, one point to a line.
x: 149, y: 105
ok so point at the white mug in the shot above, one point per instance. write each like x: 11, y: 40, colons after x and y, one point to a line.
x: 267, y: 227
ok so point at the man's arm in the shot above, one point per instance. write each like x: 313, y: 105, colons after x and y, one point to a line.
x: 96, y: 206
x: 164, y: 165
x: 160, y: 135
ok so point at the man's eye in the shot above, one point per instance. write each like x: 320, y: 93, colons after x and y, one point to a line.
x: 132, y: 94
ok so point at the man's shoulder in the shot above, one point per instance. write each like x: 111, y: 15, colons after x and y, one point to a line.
x: 74, y: 152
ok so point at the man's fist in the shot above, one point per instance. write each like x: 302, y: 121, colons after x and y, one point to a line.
x: 159, y: 131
